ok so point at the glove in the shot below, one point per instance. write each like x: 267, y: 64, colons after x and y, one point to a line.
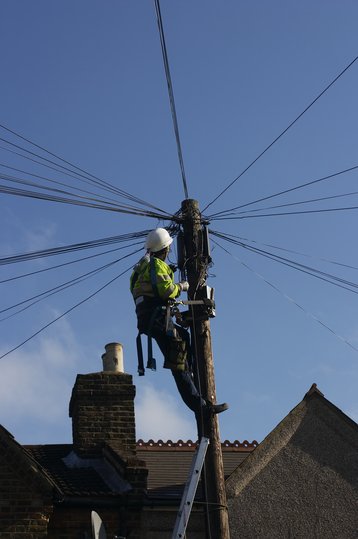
x: 184, y: 286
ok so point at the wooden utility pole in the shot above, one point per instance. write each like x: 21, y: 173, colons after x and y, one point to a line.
x: 217, y: 523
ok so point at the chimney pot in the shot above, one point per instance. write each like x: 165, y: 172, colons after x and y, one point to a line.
x: 113, y: 358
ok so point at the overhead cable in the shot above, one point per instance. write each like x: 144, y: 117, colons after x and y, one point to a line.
x: 64, y: 314
x: 64, y: 249
x: 282, y: 133
x: 309, y: 270
x: 52, y: 180
x: 70, y: 282
x: 31, y: 273
x: 80, y: 177
x: 301, y: 186
x: 171, y: 95
x: 302, y: 212
x: 284, y: 249
x: 52, y: 198
x: 298, y: 203
x: 42, y: 298
x: 73, y: 174
x: 314, y: 317
x: 86, y: 176
x: 22, y: 181
x: 60, y: 288
x: 63, y: 171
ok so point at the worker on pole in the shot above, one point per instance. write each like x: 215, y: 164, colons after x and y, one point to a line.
x: 152, y: 286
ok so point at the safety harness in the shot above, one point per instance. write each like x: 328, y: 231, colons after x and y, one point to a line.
x: 178, y: 346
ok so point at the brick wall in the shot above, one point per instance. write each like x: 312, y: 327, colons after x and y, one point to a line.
x: 75, y: 522
x: 25, y: 506
x: 102, y: 410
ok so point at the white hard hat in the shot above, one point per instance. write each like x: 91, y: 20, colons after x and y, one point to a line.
x: 157, y: 240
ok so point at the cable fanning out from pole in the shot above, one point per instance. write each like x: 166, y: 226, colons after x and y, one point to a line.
x: 282, y: 133
x: 171, y: 95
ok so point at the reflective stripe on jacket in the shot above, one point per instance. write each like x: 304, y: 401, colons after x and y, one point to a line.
x: 153, y: 278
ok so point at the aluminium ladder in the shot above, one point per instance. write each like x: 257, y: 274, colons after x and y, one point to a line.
x: 190, y: 490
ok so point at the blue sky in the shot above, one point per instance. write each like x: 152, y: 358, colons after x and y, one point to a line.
x: 85, y: 80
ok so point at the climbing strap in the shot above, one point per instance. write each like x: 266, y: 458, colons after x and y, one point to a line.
x: 151, y: 362
x: 141, y: 369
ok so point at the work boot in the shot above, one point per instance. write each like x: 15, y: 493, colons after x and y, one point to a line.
x: 218, y: 408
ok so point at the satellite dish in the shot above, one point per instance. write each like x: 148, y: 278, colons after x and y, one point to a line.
x: 98, y: 529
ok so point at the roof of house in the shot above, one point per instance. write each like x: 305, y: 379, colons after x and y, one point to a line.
x: 77, y: 476
x: 168, y: 465
x: 24, y: 464
x: 301, y: 427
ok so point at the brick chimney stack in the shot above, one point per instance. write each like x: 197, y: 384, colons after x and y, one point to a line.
x: 102, y: 407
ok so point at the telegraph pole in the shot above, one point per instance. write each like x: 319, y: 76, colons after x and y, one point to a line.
x: 217, y: 524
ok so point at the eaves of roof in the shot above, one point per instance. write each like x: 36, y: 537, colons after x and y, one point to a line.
x: 24, y: 462
x: 284, y: 432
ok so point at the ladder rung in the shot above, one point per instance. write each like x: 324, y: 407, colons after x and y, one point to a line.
x: 190, y: 490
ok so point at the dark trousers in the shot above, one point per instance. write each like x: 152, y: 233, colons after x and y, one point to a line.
x: 183, y: 379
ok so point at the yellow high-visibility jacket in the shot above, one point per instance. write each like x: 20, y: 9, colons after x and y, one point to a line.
x: 153, y: 278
